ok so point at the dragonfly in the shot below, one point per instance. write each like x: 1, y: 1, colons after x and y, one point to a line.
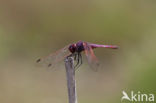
x: 75, y: 50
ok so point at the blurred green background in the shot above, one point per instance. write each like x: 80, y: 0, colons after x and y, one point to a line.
x: 30, y: 29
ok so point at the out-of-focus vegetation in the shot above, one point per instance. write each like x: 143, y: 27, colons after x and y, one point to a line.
x: 30, y: 29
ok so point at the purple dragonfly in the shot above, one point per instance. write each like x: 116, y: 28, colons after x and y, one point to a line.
x: 75, y: 50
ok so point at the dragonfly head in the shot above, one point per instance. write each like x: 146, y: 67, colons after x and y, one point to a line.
x: 72, y: 48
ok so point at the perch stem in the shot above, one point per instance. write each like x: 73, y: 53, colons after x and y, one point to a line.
x: 71, y: 82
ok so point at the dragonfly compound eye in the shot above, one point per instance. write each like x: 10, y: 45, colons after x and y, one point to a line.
x: 72, y: 48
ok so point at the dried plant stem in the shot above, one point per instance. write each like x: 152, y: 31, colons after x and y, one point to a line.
x: 71, y: 82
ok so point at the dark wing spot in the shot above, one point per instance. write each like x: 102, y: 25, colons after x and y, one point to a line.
x: 38, y: 60
x: 98, y: 64
x: 49, y: 65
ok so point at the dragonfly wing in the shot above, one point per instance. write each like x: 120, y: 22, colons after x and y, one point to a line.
x: 92, y: 60
x: 52, y: 59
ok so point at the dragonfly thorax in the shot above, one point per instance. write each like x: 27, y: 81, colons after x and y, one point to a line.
x: 79, y: 47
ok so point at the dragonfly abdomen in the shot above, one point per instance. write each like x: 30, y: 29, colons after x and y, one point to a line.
x: 103, y: 46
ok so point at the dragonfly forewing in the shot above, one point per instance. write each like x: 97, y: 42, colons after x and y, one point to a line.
x: 53, y: 59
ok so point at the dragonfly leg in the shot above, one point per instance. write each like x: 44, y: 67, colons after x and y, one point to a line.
x: 77, y: 61
x: 75, y: 56
x: 80, y: 57
x: 71, y: 55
